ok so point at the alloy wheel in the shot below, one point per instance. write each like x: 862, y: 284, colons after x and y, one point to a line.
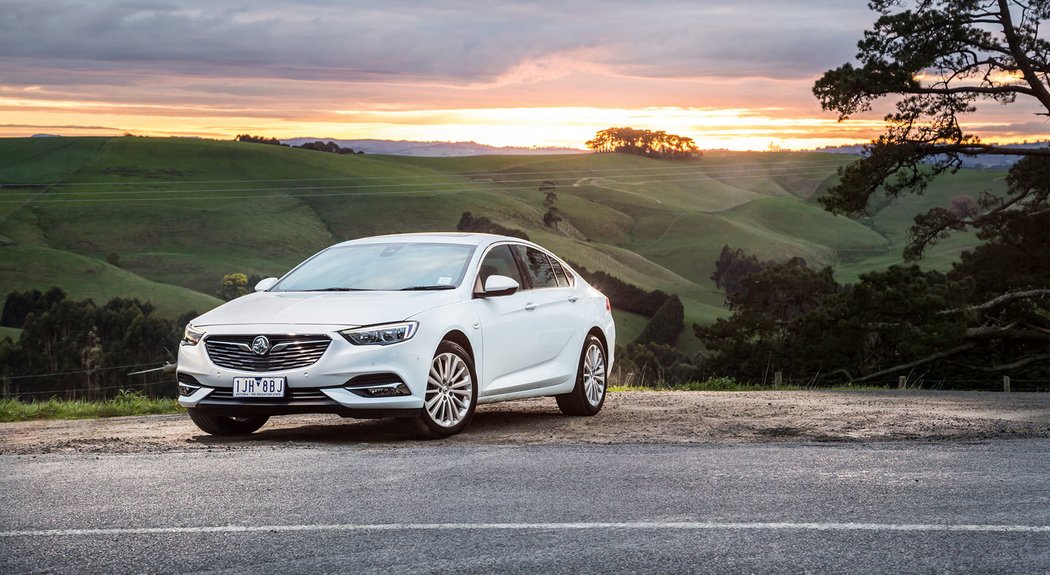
x: 449, y: 390
x: 594, y: 374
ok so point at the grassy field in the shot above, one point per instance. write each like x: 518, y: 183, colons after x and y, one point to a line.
x: 11, y: 332
x: 164, y: 219
x: 126, y: 404
x: 729, y: 384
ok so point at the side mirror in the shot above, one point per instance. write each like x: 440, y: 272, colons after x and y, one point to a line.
x: 499, y: 285
x: 265, y: 284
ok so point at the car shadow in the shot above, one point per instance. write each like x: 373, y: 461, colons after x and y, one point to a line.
x: 489, y: 423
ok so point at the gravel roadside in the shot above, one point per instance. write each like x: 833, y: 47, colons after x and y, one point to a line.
x: 628, y: 417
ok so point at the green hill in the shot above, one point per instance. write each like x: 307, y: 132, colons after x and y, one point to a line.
x: 175, y: 215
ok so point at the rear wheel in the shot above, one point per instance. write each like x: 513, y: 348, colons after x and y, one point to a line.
x: 588, y: 396
x: 451, y: 395
x: 225, y: 424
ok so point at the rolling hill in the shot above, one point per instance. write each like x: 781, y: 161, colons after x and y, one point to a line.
x: 432, y: 149
x: 165, y: 218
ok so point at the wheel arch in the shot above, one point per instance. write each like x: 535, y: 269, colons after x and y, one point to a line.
x: 597, y: 332
x: 600, y: 334
x: 458, y: 337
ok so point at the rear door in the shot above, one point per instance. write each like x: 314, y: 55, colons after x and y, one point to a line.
x: 555, y: 326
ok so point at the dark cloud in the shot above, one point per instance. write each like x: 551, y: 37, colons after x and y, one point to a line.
x: 439, y: 40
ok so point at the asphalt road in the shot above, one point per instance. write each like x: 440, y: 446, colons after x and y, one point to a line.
x: 775, y: 508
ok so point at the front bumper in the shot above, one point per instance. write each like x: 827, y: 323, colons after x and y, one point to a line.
x: 267, y: 406
x: 326, y: 386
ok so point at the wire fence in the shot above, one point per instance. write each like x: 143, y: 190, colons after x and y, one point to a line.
x: 165, y: 386
x: 658, y: 379
x: 152, y: 384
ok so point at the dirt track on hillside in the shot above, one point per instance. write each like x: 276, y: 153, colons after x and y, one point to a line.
x: 628, y: 417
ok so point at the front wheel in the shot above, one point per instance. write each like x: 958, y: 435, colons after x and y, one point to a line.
x: 588, y: 396
x: 226, y: 425
x: 451, y: 395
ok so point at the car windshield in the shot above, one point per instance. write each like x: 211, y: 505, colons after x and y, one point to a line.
x: 386, y: 266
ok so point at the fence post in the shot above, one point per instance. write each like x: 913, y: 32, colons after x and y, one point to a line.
x: 778, y: 378
x: 902, y: 382
x: 1006, y: 383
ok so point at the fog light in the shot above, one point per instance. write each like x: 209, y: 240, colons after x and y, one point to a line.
x: 388, y: 390
x: 188, y: 385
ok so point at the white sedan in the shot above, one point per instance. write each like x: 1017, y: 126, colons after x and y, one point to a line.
x: 420, y: 326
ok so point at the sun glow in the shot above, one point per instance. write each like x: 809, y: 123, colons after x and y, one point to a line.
x: 731, y: 128
x: 736, y: 128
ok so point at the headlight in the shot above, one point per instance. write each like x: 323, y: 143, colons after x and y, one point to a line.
x: 192, y: 335
x: 381, y: 334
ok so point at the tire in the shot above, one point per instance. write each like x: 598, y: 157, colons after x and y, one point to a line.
x: 225, y: 424
x: 451, y: 395
x: 588, y: 396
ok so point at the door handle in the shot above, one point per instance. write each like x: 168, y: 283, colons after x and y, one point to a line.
x: 573, y: 298
x: 530, y: 306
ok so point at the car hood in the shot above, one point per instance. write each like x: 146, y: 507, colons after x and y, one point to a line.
x: 326, y: 308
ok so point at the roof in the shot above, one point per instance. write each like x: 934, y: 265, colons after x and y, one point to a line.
x: 466, y: 238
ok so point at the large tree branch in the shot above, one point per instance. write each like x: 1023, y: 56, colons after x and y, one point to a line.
x: 1012, y: 365
x: 974, y: 149
x: 989, y: 331
x: 917, y: 363
x: 1021, y: 57
x: 938, y: 222
x: 994, y: 90
x: 996, y: 301
x: 1009, y: 332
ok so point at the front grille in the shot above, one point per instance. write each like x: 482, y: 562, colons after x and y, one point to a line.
x: 286, y: 351
x: 290, y: 394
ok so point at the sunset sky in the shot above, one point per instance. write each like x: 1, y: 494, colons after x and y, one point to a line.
x: 728, y: 74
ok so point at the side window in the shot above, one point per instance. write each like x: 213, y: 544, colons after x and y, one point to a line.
x: 499, y: 261
x: 564, y: 277
x: 539, y: 268
x: 570, y: 277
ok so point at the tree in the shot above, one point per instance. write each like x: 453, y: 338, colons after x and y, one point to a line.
x: 259, y: 140
x: 551, y: 216
x: 963, y: 206
x: 329, y: 146
x: 19, y: 305
x: 665, y: 325
x: 774, y: 297
x: 900, y: 321
x: 233, y: 286
x: 655, y: 144
x: 940, y: 57
x: 81, y: 348
x: 732, y: 267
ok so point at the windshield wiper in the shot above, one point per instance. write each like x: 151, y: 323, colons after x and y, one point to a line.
x: 337, y: 289
x: 429, y: 288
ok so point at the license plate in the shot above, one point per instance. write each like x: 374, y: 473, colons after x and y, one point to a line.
x: 258, y: 387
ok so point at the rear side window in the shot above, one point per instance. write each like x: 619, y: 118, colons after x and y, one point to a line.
x: 538, y: 266
x: 564, y: 277
x: 499, y: 261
